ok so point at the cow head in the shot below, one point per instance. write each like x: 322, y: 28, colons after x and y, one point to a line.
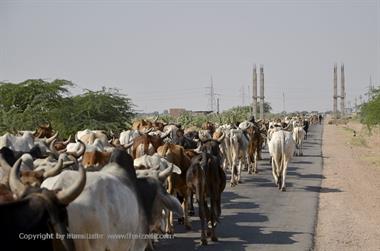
x: 38, y: 211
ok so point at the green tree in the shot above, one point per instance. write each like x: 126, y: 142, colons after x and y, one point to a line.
x: 25, y: 105
x: 370, y: 111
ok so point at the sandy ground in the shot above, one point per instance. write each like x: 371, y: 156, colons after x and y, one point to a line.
x: 349, y: 206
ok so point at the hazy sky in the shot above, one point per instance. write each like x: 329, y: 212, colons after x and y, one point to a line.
x: 162, y: 53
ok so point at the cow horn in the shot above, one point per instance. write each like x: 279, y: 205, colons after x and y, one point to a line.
x: 67, y: 141
x: 53, y: 150
x: 155, y: 119
x: 81, y: 150
x: 14, y: 181
x: 165, y: 173
x: 220, y: 139
x: 146, y: 131
x: 128, y: 145
x: 166, y: 134
x: 49, y: 140
x: 69, y: 194
x: 6, y: 168
x: 55, y: 170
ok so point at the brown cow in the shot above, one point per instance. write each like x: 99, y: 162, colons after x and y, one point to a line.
x: 177, y: 183
x: 44, y: 131
x: 96, y: 158
x: 254, y: 147
x: 210, y: 127
x: 147, y: 144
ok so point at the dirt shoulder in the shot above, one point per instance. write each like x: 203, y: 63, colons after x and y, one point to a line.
x: 349, y: 206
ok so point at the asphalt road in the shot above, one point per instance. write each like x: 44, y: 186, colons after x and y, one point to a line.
x: 256, y: 216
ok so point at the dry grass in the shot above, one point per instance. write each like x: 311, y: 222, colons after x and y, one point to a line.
x: 366, y: 141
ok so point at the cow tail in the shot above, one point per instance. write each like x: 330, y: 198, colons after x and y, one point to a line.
x: 282, y: 165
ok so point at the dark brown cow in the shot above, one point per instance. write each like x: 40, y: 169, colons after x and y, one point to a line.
x: 37, y: 211
x: 206, y: 179
x: 177, y: 183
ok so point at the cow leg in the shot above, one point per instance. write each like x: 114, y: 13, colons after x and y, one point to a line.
x: 169, y: 223
x: 255, y: 158
x: 239, y: 170
x: 233, y: 171
x: 214, y: 212
x: 186, y: 213
x: 274, y: 171
x: 284, y: 169
x: 191, y: 201
x: 202, y: 214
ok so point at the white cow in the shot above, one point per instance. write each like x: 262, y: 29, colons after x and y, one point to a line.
x: 298, y: 137
x: 113, y: 204
x: 22, y: 143
x: 88, y: 136
x: 126, y: 137
x: 281, y: 148
x: 238, y: 147
x: 154, y: 161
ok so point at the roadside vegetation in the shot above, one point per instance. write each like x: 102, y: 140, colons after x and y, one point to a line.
x: 26, y: 105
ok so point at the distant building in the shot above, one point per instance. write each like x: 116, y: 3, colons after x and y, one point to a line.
x: 176, y: 112
x: 195, y: 113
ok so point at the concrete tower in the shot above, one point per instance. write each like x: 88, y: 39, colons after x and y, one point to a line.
x: 342, y: 91
x: 254, y: 92
x: 261, y: 92
x: 335, y: 97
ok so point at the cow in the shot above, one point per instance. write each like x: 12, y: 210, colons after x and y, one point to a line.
x: 154, y: 162
x: 126, y: 137
x: 306, y: 126
x: 298, y: 137
x: 38, y: 212
x: 226, y: 158
x: 182, y: 140
x: 32, y: 178
x: 177, y: 183
x: 208, y: 126
x: 281, y: 148
x: 238, y: 147
x: 89, y: 136
x: 206, y: 179
x: 254, y: 148
x: 43, y: 131
x: 115, y: 201
x: 22, y: 143
x: 147, y: 144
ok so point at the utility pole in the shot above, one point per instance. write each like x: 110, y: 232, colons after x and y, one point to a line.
x: 254, y: 92
x: 211, y: 94
x: 342, y: 91
x: 283, y: 101
x: 217, y: 105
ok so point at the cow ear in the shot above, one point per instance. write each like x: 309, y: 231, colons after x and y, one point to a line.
x: 171, y: 203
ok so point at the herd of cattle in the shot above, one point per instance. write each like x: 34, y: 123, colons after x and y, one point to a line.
x: 134, y: 183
